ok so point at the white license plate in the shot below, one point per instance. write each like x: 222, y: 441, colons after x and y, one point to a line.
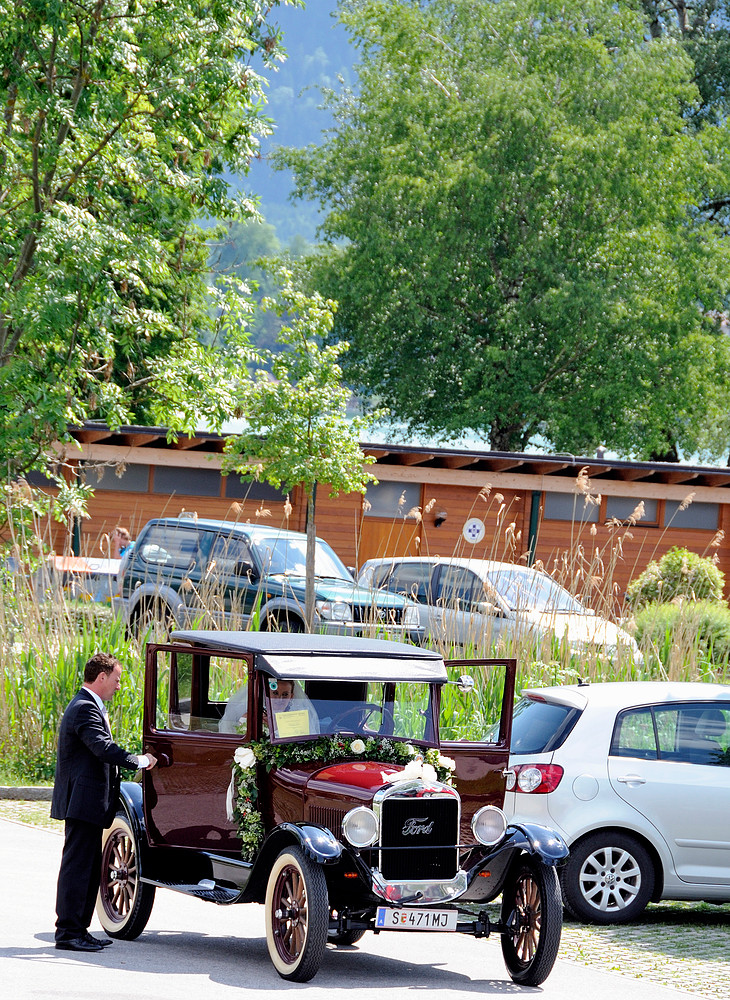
x: 408, y: 919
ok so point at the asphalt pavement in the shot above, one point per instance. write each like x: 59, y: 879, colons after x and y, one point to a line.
x: 196, y: 950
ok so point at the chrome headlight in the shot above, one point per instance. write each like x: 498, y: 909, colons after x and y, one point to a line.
x: 410, y: 615
x: 488, y: 825
x: 335, y: 611
x: 360, y: 827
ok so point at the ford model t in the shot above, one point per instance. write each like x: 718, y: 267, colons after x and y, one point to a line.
x: 348, y: 785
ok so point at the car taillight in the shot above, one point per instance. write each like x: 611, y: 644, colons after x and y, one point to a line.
x: 536, y: 778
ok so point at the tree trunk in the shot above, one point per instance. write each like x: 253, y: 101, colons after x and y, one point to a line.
x: 309, y: 568
x: 505, y: 437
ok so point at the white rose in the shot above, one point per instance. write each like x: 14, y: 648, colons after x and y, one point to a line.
x: 357, y: 746
x: 244, y: 757
x: 447, y: 762
x: 411, y: 749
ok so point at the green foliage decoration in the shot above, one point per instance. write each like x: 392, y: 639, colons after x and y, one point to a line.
x: 323, y: 750
x: 678, y: 574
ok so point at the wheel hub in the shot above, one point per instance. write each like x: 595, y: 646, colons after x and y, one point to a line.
x: 120, y: 875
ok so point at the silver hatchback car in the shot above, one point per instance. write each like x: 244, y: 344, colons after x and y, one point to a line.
x: 636, y: 778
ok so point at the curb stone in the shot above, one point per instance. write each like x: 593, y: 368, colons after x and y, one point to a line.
x: 35, y: 793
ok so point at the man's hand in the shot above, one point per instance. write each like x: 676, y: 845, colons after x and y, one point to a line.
x: 152, y: 762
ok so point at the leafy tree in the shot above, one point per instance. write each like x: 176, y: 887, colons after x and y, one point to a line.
x: 703, y: 29
x: 509, y: 237
x: 298, y: 426
x: 244, y: 251
x: 121, y: 121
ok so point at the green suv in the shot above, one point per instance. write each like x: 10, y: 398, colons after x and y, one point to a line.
x: 184, y: 570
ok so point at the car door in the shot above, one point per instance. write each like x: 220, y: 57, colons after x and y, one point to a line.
x: 186, y: 797
x: 231, y: 581
x: 462, y: 603
x: 475, y: 728
x: 671, y: 765
x: 412, y: 579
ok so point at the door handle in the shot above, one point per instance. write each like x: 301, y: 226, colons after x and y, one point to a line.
x: 631, y: 779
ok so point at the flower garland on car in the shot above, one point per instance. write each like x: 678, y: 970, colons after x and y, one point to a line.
x: 428, y: 765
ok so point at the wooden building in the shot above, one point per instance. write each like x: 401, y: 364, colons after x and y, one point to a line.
x: 594, y: 523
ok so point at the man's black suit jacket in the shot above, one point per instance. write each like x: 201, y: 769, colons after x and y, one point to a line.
x: 86, y: 785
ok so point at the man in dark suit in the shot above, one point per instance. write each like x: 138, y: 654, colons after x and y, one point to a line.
x: 86, y: 796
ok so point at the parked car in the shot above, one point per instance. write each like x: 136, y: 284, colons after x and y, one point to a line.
x: 183, y: 570
x: 467, y: 601
x: 635, y: 777
x: 82, y: 578
x: 334, y: 804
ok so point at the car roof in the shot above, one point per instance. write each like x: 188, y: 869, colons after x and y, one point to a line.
x: 244, y: 527
x: 325, y: 657
x: 479, y: 565
x: 626, y: 694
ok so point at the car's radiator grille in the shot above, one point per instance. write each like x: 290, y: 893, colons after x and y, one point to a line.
x: 372, y: 615
x: 422, y: 834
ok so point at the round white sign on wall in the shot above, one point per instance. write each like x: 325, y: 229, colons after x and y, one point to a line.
x: 474, y: 530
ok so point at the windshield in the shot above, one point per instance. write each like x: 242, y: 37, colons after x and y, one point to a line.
x: 401, y: 711
x: 287, y: 557
x: 525, y: 589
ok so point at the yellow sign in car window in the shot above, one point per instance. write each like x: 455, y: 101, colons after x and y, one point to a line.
x: 292, y: 723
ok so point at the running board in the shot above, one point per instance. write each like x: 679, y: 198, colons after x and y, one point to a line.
x: 205, y: 889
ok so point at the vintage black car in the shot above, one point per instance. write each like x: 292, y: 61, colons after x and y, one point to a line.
x: 349, y: 785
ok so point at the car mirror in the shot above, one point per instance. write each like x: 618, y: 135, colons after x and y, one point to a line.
x: 244, y: 568
x: 486, y: 608
x: 465, y: 683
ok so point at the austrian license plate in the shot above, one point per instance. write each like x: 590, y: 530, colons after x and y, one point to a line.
x: 387, y: 919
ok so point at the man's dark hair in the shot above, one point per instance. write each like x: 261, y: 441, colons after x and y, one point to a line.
x: 100, y: 663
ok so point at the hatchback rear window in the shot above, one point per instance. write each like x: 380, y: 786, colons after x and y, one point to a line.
x: 540, y: 726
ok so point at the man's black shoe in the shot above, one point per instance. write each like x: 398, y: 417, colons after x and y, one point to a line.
x: 104, y: 942
x: 78, y: 944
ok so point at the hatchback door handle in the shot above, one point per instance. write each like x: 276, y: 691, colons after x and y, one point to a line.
x: 631, y: 779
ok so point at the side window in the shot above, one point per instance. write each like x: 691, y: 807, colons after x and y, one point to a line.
x: 174, y: 689
x: 687, y: 734
x: 695, y: 734
x: 459, y: 588
x: 412, y: 580
x: 228, y: 693
x: 633, y: 735
x: 229, y: 555
x: 474, y: 716
x: 173, y: 548
x: 201, y: 692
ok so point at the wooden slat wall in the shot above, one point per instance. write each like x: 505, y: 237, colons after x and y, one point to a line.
x: 564, y: 548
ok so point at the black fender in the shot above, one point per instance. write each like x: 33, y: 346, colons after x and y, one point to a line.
x: 317, y: 842
x: 130, y: 802
x: 519, y: 839
x: 547, y: 844
x: 130, y: 799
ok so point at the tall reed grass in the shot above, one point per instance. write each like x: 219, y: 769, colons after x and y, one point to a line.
x: 46, y: 639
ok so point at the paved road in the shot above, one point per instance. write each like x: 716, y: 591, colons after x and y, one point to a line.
x: 193, y: 950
